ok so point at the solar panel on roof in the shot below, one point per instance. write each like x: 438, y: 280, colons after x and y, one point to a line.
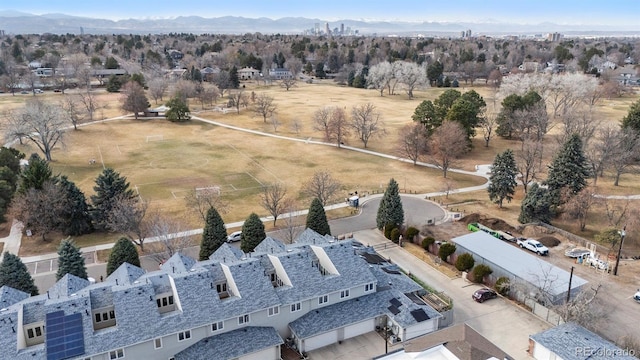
x: 64, y: 337
x: 394, y: 310
x: 419, y: 315
x: 395, y: 302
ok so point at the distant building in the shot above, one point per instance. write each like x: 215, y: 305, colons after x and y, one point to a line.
x: 248, y: 73
x: 280, y: 73
x: 554, y: 36
x: 327, y: 30
x: 341, y: 29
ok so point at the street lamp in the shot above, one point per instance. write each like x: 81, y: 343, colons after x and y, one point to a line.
x: 622, y: 235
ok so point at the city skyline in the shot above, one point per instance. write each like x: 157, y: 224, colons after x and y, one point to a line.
x: 569, y: 12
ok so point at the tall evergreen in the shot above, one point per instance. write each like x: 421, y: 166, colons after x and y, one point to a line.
x: 35, y: 174
x: 234, y: 80
x: 75, y: 217
x: 70, y: 260
x: 390, y: 209
x: 569, y: 170
x: 14, y: 274
x: 214, y: 234
x: 632, y: 120
x: 536, y: 206
x: 317, y: 218
x: 109, y: 185
x: 122, y: 252
x: 503, y: 178
x: 252, y: 233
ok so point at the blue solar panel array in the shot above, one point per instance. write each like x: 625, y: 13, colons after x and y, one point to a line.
x: 64, y: 335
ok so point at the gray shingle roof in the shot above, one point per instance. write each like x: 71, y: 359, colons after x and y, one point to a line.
x: 10, y: 296
x: 270, y: 246
x: 178, y: 263
x: 520, y: 263
x: 226, y: 253
x: 125, y: 274
x: 232, y: 344
x: 69, y: 284
x: 573, y: 342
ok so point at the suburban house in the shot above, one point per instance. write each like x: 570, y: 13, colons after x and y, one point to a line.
x: 280, y: 74
x: 314, y: 292
x: 43, y: 72
x: 248, y: 73
x: 209, y: 72
x: 530, y: 276
x: 573, y: 342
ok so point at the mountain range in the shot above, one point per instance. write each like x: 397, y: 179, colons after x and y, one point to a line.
x: 14, y: 22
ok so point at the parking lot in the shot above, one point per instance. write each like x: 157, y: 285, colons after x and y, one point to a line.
x: 50, y: 265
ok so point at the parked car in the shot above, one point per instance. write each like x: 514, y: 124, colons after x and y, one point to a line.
x: 484, y: 294
x: 577, y: 252
x: 636, y: 297
x: 534, y: 245
x: 234, y: 236
x: 38, y: 91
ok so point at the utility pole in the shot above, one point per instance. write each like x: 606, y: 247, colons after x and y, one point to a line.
x: 569, y: 290
x: 622, y: 235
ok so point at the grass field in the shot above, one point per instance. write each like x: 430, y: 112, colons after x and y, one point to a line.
x: 163, y: 161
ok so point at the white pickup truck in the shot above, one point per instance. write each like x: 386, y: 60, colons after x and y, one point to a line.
x: 533, y: 245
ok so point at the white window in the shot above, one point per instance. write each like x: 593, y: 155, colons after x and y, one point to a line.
x: 164, y: 301
x: 274, y: 311
x: 217, y: 326
x: 116, y: 354
x: 157, y: 343
x: 244, y: 319
x: 323, y: 299
x: 105, y: 316
x: 185, y: 335
x: 368, y: 287
x: 34, y: 332
x: 295, y: 307
x: 344, y: 294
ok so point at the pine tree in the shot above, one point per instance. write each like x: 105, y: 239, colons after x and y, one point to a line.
x: 75, y: 218
x: 122, y: 252
x: 535, y: 206
x: 35, y: 174
x: 390, y: 210
x: 569, y: 170
x: 70, y: 260
x: 252, y: 233
x: 234, y: 80
x: 317, y: 218
x: 14, y: 274
x: 109, y: 185
x: 632, y: 120
x: 503, y: 178
x: 213, y: 235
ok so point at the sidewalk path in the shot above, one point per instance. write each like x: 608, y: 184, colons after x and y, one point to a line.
x: 13, y: 241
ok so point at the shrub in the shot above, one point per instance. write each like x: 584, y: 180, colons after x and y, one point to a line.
x: 428, y: 241
x: 479, y: 272
x: 411, y: 233
x: 388, y: 229
x: 445, y: 250
x: 465, y: 262
x: 503, y: 286
x: 395, y: 235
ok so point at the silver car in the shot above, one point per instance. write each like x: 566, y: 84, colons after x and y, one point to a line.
x: 234, y: 236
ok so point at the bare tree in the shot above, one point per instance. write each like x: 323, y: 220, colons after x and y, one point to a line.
x: 583, y: 123
x: 294, y: 65
x: 170, y: 237
x: 531, y: 122
x: 288, y: 83
x: 274, y: 122
x: 296, y: 126
x: 365, y: 120
x: 322, y: 186
x: 157, y: 87
x: 88, y: 100
x: 599, y: 150
x: 293, y: 224
x: 264, y: 106
x: 321, y: 121
x: 127, y: 216
x: 235, y: 99
x: 199, y: 201
x: 529, y: 161
x: 184, y: 89
x: 446, y: 144
x: 40, y: 209
x: 338, y: 126
x: 207, y: 94
x: 71, y: 107
x: 625, y: 149
x: 41, y: 123
x: 274, y: 200
x: 488, y: 124
x: 577, y: 206
x: 616, y: 211
x: 412, y: 142
x: 584, y: 309
x: 133, y: 98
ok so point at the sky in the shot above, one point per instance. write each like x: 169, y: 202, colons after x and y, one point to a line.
x: 587, y: 12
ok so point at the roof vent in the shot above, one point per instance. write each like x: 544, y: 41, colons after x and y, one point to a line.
x: 192, y: 270
x: 136, y: 282
x: 3, y: 309
x: 289, y: 250
x: 73, y: 294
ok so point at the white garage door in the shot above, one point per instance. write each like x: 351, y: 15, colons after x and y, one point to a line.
x: 542, y: 353
x: 359, y: 329
x: 321, y: 340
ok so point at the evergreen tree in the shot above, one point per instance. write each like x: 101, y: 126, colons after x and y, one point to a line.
x: 569, y: 170
x: 252, y: 233
x: 14, y: 274
x: 535, y: 206
x: 35, y: 174
x: 213, y: 235
x: 75, y: 217
x: 178, y: 110
x: 70, y: 260
x: 503, y: 178
x: 109, y: 185
x: 390, y: 210
x: 317, y: 218
x: 9, y: 175
x: 234, y: 80
x: 632, y: 120
x: 122, y: 252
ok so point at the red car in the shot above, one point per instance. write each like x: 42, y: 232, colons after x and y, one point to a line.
x: 484, y: 294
